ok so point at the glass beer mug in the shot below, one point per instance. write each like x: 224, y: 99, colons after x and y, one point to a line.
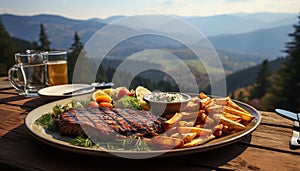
x: 28, y: 76
x: 57, y: 68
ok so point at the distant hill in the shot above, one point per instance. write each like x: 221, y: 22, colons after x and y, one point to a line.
x: 60, y: 30
x: 240, y: 22
x: 237, y: 51
x: 267, y: 42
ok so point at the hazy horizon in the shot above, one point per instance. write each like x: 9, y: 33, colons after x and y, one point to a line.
x: 83, y: 10
x: 120, y: 15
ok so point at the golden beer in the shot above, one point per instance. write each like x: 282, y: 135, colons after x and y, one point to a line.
x: 57, y: 72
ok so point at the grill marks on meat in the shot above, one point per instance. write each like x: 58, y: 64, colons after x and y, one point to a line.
x: 105, y: 122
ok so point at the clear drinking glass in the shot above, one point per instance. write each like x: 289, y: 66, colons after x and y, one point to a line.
x: 57, y: 67
x: 28, y: 75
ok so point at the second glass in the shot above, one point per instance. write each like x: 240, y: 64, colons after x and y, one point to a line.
x: 57, y: 67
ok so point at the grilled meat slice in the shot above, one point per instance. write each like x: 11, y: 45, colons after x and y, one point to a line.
x: 108, y: 123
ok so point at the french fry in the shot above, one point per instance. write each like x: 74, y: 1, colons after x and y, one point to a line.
x: 171, y: 131
x: 199, y: 131
x: 204, y: 119
x: 167, y: 142
x: 232, y: 117
x: 231, y: 124
x: 198, y: 141
x: 172, y: 121
x: 185, y: 124
x: 222, y: 101
x: 185, y: 137
x: 215, y: 109
x: 235, y: 106
x: 189, y: 116
x: 202, y: 95
x: 193, y: 104
x: 244, y: 115
x: 205, y: 102
x: 218, y: 130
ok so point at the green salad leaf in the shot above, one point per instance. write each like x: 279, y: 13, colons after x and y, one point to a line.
x: 128, y: 102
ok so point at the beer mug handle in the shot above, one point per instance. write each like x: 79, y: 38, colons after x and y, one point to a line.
x: 11, y: 72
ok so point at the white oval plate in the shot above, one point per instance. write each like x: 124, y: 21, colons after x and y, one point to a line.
x: 59, y: 90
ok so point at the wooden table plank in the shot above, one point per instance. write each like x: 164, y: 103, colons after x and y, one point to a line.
x: 11, y: 118
x: 271, y: 118
x: 272, y: 137
x: 4, y: 83
x: 263, y: 159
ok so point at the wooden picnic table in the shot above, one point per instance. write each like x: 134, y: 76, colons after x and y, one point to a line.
x: 267, y: 148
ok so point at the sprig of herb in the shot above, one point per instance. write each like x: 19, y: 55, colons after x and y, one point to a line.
x: 135, y: 143
x: 132, y: 143
x: 82, y: 141
x: 47, y: 121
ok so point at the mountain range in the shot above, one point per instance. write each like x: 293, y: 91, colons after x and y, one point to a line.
x: 261, y: 34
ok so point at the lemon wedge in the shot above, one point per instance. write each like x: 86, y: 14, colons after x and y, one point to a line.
x: 98, y: 94
x: 140, y: 92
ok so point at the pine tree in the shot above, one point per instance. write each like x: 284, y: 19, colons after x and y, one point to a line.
x: 261, y: 84
x: 43, y: 38
x: 286, y: 86
x: 75, y: 49
x: 76, y: 45
x: 7, y: 50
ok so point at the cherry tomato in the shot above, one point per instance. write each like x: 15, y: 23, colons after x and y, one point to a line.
x: 103, y: 99
x: 105, y: 104
x: 93, y: 104
x: 123, y: 92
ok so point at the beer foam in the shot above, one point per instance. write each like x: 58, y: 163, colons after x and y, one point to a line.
x: 56, y: 62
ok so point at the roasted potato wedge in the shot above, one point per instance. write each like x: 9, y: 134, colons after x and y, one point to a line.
x: 186, y: 124
x: 231, y: 124
x: 199, y: 131
x: 172, y: 121
x: 185, y: 137
x: 167, y: 142
x: 189, y: 116
x: 199, y: 141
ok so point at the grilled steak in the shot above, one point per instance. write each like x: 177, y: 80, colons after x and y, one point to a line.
x: 108, y: 123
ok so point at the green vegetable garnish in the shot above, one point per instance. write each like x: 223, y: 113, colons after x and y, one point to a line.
x: 132, y: 143
x: 128, y: 102
x: 82, y: 141
x: 47, y: 122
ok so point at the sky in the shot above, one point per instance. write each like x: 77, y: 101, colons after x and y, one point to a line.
x: 86, y: 9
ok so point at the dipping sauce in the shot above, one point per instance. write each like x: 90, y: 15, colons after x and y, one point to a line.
x: 166, y: 97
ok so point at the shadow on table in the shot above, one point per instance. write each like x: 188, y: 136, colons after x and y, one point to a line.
x: 22, y: 150
x: 36, y: 102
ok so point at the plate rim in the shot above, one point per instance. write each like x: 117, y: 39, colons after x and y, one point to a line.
x: 63, y: 145
x: 61, y: 95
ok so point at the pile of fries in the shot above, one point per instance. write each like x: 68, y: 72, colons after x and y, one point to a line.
x: 204, y: 118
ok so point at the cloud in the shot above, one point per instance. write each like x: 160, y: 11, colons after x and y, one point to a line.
x: 170, y: 2
x: 6, y: 10
x: 237, y: 0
